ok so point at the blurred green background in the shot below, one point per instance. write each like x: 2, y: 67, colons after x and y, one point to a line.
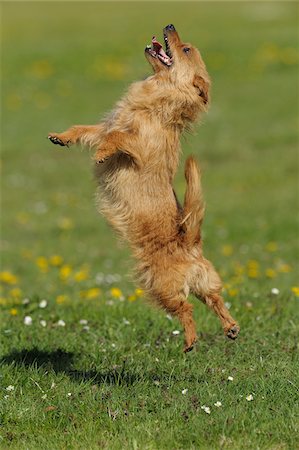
x: 66, y: 63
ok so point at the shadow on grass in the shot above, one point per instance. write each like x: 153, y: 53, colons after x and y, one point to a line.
x: 61, y: 361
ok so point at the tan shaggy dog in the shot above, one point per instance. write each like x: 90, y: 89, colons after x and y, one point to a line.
x: 137, y: 149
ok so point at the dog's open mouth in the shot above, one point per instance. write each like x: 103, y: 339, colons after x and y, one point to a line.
x: 156, y: 51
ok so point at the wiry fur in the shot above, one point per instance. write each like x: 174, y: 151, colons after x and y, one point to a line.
x: 138, y: 148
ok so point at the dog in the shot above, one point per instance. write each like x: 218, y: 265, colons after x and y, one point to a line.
x: 137, y: 150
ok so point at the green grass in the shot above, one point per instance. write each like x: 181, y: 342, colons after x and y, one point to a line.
x: 67, y: 63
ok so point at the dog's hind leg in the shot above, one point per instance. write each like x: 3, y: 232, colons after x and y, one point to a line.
x: 78, y: 134
x: 177, y: 306
x: 184, y: 314
x: 215, y: 302
x: 206, y: 286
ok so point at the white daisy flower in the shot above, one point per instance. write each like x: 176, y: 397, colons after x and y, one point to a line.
x: 27, y: 320
x: 275, y: 291
x: 10, y: 388
x: 61, y: 323
x: 249, y: 397
x: 184, y: 391
x: 230, y: 378
x: 218, y: 404
x: 83, y: 322
x: 206, y: 409
x: 176, y: 332
x: 43, y: 323
x: 43, y: 304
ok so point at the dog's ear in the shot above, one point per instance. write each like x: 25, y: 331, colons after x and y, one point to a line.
x: 203, y: 88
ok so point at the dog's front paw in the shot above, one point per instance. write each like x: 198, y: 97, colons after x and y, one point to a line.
x: 101, y: 160
x: 102, y: 155
x: 58, y: 140
x: 232, y: 333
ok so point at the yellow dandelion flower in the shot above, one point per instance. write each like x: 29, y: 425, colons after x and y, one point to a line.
x: 61, y: 299
x: 13, y: 311
x: 92, y: 293
x: 284, y: 268
x: 295, y: 290
x: 65, y: 272
x: 271, y: 247
x: 13, y: 101
x: 239, y: 269
x: 42, y: 264
x: 65, y: 224
x: 56, y: 260
x: 8, y: 278
x: 227, y: 250
x: 15, y: 293
x: 139, y: 292
x: 22, y: 218
x: 253, y: 264
x: 3, y: 301
x: 270, y: 273
x: 253, y: 273
x: 132, y: 298
x: 114, y: 69
x: 81, y: 275
x: 253, y: 268
x: 233, y: 292
x: 116, y: 292
x: 41, y: 69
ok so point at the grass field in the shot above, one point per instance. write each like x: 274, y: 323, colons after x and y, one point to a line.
x: 85, y: 362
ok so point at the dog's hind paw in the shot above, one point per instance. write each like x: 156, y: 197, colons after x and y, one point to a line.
x: 188, y: 349
x: 233, y: 332
x: 189, y: 345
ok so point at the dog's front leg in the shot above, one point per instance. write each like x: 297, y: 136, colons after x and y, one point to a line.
x: 83, y: 134
x: 117, y: 141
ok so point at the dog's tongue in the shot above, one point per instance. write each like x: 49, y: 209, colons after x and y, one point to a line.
x: 158, y: 47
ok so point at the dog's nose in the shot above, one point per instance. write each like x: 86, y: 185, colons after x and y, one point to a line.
x: 170, y: 27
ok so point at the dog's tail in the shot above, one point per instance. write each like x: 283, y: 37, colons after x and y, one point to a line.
x: 194, y: 207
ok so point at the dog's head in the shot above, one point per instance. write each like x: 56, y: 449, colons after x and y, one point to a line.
x: 180, y: 64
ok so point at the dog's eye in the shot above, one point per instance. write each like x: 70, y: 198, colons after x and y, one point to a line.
x: 186, y: 49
